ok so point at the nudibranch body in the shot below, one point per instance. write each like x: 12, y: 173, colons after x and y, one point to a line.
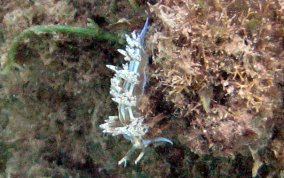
x: 127, y: 86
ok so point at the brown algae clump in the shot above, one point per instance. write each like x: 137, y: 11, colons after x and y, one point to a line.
x: 220, y: 68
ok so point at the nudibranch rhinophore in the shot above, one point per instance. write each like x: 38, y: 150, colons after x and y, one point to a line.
x: 127, y: 87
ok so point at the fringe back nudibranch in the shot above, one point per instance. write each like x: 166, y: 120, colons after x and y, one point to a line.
x: 127, y: 86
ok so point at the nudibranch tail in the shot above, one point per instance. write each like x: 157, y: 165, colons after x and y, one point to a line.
x: 157, y: 140
x: 127, y: 87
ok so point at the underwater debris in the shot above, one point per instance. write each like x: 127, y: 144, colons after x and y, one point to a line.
x: 127, y: 86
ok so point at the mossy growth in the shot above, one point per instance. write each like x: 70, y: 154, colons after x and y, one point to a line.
x: 57, y: 86
x: 253, y: 25
x: 4, y: 156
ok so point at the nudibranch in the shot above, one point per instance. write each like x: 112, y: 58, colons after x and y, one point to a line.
x: 127, y: 87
